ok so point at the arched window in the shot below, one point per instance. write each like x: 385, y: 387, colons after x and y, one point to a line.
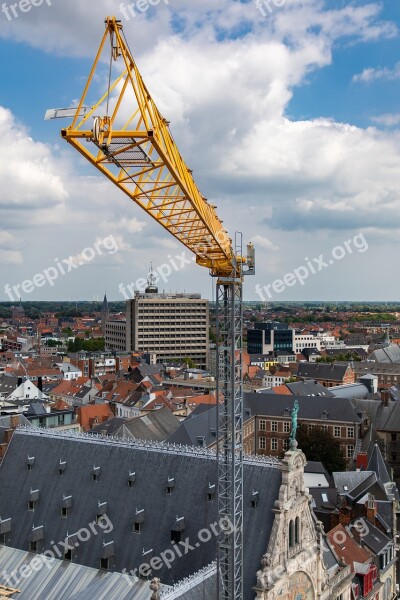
x: 297, y: 531
x: 291, y: 534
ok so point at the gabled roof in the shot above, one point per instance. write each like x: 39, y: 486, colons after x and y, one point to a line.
x: 153, y: 465
x: 326, y: 407
x: 377, y: 464
x: 199, y: 430
x: 308, y: 388
x: 323, y: 371
x: 348, y: 549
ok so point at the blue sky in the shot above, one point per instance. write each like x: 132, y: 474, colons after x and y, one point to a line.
x: 298, y: 113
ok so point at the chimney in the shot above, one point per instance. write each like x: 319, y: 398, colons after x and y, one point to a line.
x: 8, y: 435
x: 385, y: 395
x: 14, y: 421
x: 40, y: 383
x: 362, y: 461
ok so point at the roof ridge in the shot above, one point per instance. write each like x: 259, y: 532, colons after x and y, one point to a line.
x: 151, y: 446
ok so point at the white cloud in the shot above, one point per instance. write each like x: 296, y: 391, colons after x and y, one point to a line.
x: 263, y: 242
x: 381, y: 73
x: 387, y: 120
x: 32, y: 187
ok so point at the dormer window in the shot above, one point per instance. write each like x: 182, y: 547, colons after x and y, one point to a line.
x: 107, y: 556
x: 138, y: 521
x: 30, y: 462
x: 96, y: 473
x: 255, y: 497
x: 61, y: 467
x: 177, y: 529
x: 66, y: 505
x: 170, y: 486
x: 101, y: 511
x: 33, y: 499
x: 131, y: 479
x: 211, y: 492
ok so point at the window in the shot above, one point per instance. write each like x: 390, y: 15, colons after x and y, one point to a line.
x: 262, y: 443
x: 350, y: 451
x: 68, y: 554
x: 104, y: 564
x: 310, y: 428
x: 286, y: 427
x: 137, y: 527
x: 286, y: 444
x: 350, y: 432
x: 337, y: 431
x: 31, y: 505
x: 263, y: 425
x: 64, y: 511
x: 394, y: 437
x: 291, y: 534
x: 324, y: 428
x: 175, y: 536
x: 274, y: 444
x: 297, y: 531
x: 33, y: 547
x: 274, y: 426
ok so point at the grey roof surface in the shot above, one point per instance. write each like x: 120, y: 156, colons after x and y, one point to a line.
x: 153, y: 464
x: 199, y: 430
x: 384, y: 418
x: 337, y: 409
x: 156, y: 426
x: 374, y: 539
x: 6, y: 421
x: 308, y: 388
x: 391, y: 354
x: 8, y: 383
x: 324, y: 371
x: 395, y: 392
x: 111, y: 427
x: 36, y: 409
x: 349, y: 479
x: 377, y: 464
x: 350, y: 390
x: 63, y: 580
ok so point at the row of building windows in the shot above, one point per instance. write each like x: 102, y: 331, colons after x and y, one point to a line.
x: 274, y: 427
x: 273, y: 445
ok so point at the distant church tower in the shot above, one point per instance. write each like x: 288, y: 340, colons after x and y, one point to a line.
x: 105, y: 313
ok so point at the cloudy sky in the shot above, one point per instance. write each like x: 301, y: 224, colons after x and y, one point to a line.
x: 287, y: 112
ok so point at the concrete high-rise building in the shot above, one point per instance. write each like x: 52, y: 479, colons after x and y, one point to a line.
x: 269, y: 337
x: 174, y: 326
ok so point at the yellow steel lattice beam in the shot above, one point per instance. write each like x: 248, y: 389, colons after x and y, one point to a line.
x: 131, y: 144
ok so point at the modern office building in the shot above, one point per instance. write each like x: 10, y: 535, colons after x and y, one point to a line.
x: 269, y: 337
x: 116, y: 335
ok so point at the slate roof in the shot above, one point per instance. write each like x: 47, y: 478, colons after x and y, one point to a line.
x: 384, y: 418
x: 324, y: 371
x: 374, y: 539
x: 391, y: 354
x: 8, y: 383
x: 350, y: 390
x: 156, y: 426
x: 192, y: 470
x: 310, y: 408
x: 308, y: 388
x: 61, y: 580
x: 199, y: 430
x: 377, y: 464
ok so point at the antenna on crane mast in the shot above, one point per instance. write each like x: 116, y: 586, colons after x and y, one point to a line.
x: 133, y: 147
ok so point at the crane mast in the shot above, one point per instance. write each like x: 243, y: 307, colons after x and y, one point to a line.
x: 125, y: 137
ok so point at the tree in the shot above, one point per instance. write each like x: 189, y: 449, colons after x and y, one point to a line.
x: 319, y: 445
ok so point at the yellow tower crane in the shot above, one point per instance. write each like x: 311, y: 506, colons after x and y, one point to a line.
x: 125, y: 136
